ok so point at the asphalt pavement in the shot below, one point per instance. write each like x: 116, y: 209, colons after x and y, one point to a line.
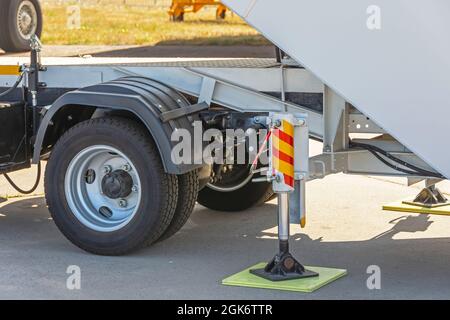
x: 346, y: 229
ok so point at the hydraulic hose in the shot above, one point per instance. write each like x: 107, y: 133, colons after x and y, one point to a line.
x: 38, y: 174
x: 36, y: 183
x: 413, y: 170
x: 16, y: 84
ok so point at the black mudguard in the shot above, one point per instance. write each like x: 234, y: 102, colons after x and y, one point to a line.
x: 147, y: 99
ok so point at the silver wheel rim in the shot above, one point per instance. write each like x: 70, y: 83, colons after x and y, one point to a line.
x: 86, y: 197
x: 27, y: 19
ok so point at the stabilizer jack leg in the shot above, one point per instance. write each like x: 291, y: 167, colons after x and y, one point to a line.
x: 429, y: 197
x: 283, y: 266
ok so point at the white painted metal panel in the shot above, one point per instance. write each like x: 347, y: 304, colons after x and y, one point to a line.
x: 398, y: 75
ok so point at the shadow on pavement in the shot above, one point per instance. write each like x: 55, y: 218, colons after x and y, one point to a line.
x: 215, y: 244
x: 191, y: 51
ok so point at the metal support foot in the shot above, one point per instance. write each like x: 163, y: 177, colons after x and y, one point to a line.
x: 283, y: 266
x: 429, y: 197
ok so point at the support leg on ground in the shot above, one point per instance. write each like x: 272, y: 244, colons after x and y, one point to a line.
x: 283, y: 266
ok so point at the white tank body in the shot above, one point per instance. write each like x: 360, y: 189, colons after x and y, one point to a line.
x: 389, y: 58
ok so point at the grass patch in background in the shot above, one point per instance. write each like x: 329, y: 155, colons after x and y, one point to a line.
x: 131, y: 25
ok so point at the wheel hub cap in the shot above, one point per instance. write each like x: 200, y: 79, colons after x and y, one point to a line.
x: 26, y: 19
x: 117, y: 184
x: 103, y: 200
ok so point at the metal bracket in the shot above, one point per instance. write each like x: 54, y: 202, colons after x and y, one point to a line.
x: 182, y: 112
x: 429, y: 197
x: 207, y: 90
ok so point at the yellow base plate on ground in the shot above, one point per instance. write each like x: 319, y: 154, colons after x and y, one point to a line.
x: 246, y: 279
x: 403, y: 207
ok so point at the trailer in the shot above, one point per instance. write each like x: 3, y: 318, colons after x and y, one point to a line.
x: 107, y: 126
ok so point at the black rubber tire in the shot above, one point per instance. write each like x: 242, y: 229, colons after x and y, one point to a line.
x: 250, y: 195
x: 177, y: 18
x: 157, y: 207
x: 188, y: 186
x: 221, y: 16
x: 10, y: 38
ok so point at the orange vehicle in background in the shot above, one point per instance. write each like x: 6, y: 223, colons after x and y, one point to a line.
x: 180, y: 7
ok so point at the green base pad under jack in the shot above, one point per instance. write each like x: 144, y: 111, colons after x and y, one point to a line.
x: 246, y: 279
x: 400, y: 206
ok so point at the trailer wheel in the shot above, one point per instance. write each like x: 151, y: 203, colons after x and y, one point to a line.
x: 235, y: 191
x: 188, y: 185
x: 106, y: 188
x: 177, y: 17
x: 19, y: 20
x: 221, y: 14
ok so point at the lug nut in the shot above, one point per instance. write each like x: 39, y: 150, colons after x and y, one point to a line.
x: 134, y: 188
x: 122, y: 203
x: 126, y: 167
x: 107, y: 169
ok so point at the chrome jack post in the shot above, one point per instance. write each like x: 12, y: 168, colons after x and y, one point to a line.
x: 288, y: 169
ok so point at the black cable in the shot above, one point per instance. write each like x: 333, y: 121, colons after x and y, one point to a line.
x: 388, y: 155
x: 36, y: 184
x: 417, y: 171
x: 393, y: 166
x: 376, y: 151
x: 38, y: 174
x: 16, y: 84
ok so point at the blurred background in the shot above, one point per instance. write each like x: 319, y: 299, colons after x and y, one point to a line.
x: 80, y: 27
x: 140, y: 22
